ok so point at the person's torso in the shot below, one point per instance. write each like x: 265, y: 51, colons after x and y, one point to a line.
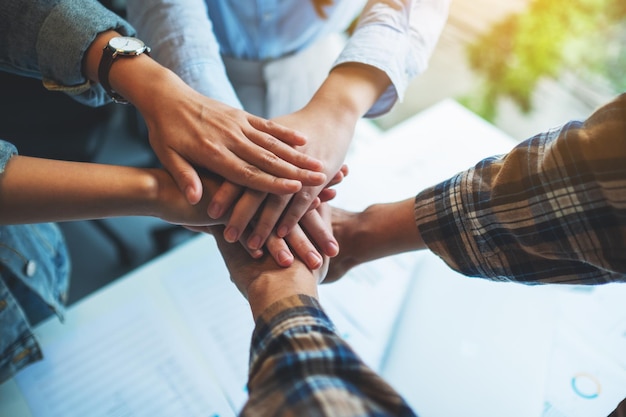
x: 260, y: 30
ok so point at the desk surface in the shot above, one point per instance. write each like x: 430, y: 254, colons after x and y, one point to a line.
x: 451, y: 345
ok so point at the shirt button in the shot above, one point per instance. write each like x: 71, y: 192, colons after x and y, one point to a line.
x: 30, y: 268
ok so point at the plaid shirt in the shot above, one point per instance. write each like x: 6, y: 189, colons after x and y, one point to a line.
x: 553, y: 210
x: 299, y: 366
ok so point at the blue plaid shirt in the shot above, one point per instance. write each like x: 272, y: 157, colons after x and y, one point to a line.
x: 299, y: 366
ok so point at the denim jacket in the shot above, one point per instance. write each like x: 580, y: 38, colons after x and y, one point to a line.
x: 34, y: 279
x: 47, y: 39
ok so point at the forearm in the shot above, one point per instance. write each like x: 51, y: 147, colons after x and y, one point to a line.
x: 378, y: 231
x: 36, y: 190
x: 350, y: 90
x: 272, y: 286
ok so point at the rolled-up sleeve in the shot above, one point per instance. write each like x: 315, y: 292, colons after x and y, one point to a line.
x: 7, y: 150
x: 299, y: 366
x: 553, y: 210
x: 48, y: 40
x: 397, y: 37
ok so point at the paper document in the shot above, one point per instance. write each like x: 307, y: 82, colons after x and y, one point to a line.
x: 364, y: 306
x: 587, y: 372
x: 124, y: 364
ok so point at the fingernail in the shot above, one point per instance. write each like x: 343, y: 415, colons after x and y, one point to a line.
x: 282, y: 231
x: 284, y: 258
x: 231, y: 234
x: 332, y: 249
x: 318, y: 177
x: 189, y: 194
x: 256, y: 254
x: 215, y: 210
x: 254, y: 242
x: 313, y: 260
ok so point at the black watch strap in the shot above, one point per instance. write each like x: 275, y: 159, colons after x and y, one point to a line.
x: 109, y: 55
x: 103, y: 75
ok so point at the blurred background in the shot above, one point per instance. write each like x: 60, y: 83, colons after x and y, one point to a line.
x: 523, y: 65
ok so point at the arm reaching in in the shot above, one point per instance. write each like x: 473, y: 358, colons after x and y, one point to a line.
x: 188, y: 130
x: 298, y: 363
x: 329, y: 121
x: 34, y: 190
x: 391, y: 44
x: 378, y: 231
x: 549, y: 211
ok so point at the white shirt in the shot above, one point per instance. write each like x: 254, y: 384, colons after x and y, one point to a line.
x: 189, y: 36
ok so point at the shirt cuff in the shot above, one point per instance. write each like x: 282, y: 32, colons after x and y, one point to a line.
x: 291, y: 314
x: 440, y: 215
x: 61, y: 51
x: 7, y: 151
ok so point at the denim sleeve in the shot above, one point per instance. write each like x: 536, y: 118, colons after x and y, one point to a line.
x: 7, y: 150
x: 48, y: 39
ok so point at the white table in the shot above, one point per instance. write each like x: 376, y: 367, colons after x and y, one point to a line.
x: 172, y: 336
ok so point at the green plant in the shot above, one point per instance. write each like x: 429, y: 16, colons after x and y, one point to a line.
x: 549, y: 37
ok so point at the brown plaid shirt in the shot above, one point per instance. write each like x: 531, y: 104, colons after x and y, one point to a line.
x: 553, y: 210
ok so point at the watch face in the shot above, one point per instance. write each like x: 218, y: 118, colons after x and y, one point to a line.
x: 127, y: 45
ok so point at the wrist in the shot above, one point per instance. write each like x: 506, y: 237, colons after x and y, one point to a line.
x: 270, y: 287
x: 352, y: 89
x: 139, y: 79
x: 391, y: 228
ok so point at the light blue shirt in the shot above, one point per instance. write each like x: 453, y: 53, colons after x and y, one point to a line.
x: 189, y: 36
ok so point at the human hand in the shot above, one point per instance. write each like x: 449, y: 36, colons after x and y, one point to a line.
x: 188, y: 130
x: 297, y: 239
x: 378, y: 231
x: 345, y: 226
x: 245, y: 149
x: 311, y: 119
x: 262, y: 281
x: 171, y: 205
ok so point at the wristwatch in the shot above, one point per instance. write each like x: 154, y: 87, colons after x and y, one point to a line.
x: 119, y: 46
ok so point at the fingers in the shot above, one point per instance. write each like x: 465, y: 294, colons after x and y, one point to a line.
x: 320, y: 232
x: 279, y: 250
x: 299, y: 205
x: 327, y: 194
x: 242, y: 213
x: 265, y: 223
x: 304, y: 248
x: 274, y: 158
x: 285, y: 134
x: 223, y: 199
x: 251, y: 176
x: 185, y: 176
x: 307, y: 200
x: 339, y: 176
